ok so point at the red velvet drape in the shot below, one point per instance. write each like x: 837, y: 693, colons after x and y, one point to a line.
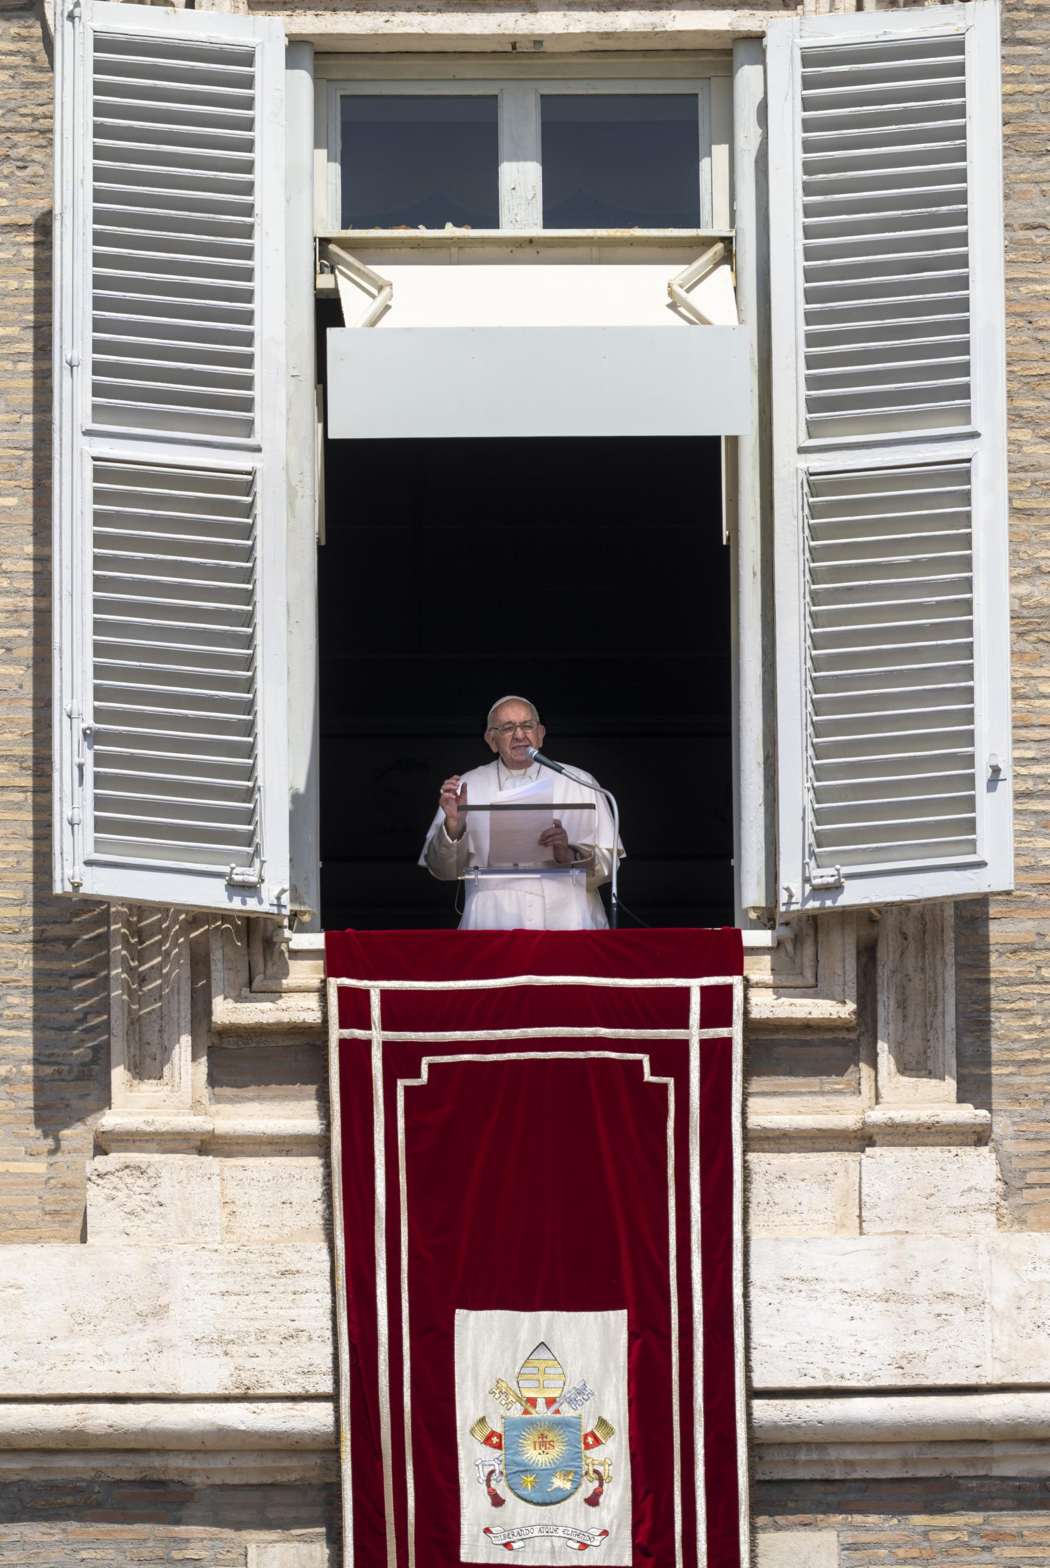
x: 536, y: 1177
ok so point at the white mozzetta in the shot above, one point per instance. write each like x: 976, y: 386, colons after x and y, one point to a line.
x: 182, y: 1321
x: 946, y: 1192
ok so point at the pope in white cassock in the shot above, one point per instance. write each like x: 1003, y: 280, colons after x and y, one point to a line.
x: 457, y: 840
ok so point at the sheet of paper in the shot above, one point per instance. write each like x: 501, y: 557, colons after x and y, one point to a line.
x: 514, y: 834
x: 513, y: 825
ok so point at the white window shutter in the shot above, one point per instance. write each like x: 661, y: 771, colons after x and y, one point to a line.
x: 169, y: 482
x: 890, y: 499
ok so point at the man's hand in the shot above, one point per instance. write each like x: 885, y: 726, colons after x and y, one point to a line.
x: 556, y: 840
x: 452, y: 800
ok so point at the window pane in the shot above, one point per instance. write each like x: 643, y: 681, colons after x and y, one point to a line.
x: 420, y: 162
x: 621, y: 161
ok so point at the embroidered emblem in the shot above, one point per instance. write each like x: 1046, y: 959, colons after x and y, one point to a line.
x: 540, y: 1451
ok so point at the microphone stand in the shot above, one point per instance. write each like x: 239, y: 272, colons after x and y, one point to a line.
x: 614, y: 882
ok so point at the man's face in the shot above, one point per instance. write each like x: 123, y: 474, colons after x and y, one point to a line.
x: 512, y: 731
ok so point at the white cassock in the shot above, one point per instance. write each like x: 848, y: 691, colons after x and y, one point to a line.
x: 557, y: 902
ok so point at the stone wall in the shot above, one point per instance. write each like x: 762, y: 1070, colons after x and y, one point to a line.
x: 903, y: 1524
x: 873, y: 1524
x: 160, y: 1524
x: 1003, y: 960
x: 54, y: 1004
x: 240, y: 1113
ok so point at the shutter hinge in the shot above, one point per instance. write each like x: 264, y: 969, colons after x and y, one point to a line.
x: 245, y: 876
x: 830, y: 876
x: 78, y: 731
x: 73, y: 359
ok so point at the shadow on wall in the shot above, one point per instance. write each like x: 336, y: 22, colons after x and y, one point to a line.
x: 973, y: 1004
x: 212, y: 1525
x: 69, y: 1008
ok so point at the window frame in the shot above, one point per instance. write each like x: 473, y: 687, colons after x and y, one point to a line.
x: 519, y: 106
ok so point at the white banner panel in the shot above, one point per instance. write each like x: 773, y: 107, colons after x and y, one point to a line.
x: 457, y: 382
x: 541, y: 1423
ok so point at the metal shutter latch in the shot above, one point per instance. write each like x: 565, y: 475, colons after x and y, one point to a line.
x: 245, y: 876
x: 831, y: 876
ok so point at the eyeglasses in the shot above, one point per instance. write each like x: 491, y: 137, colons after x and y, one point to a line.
x: 509, y: 729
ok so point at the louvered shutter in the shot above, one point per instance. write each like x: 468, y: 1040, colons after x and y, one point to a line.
x: 170, y: 613
x: 890, y: 507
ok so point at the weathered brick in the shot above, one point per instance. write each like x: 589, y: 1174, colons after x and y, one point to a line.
x: 53, y: 1001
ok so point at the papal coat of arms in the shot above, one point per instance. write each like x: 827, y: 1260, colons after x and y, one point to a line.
x: 543, y: 1450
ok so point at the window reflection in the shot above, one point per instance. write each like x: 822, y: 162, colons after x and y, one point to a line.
x: 419, y: 162
x: 621, y: 160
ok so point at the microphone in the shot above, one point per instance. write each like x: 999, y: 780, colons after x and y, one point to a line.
x: 570, y: 773
x: 557, y: 767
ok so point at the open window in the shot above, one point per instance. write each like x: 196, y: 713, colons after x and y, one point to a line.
x: 524, y: 369
x: 525, y: 424
x: 591, y: 575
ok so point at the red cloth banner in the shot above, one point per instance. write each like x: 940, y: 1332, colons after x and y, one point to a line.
x: 537, y: 1189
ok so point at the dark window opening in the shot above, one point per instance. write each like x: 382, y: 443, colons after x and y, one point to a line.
x: 589, y: 575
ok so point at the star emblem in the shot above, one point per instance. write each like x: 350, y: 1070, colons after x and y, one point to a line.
x: 528, y: 1482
